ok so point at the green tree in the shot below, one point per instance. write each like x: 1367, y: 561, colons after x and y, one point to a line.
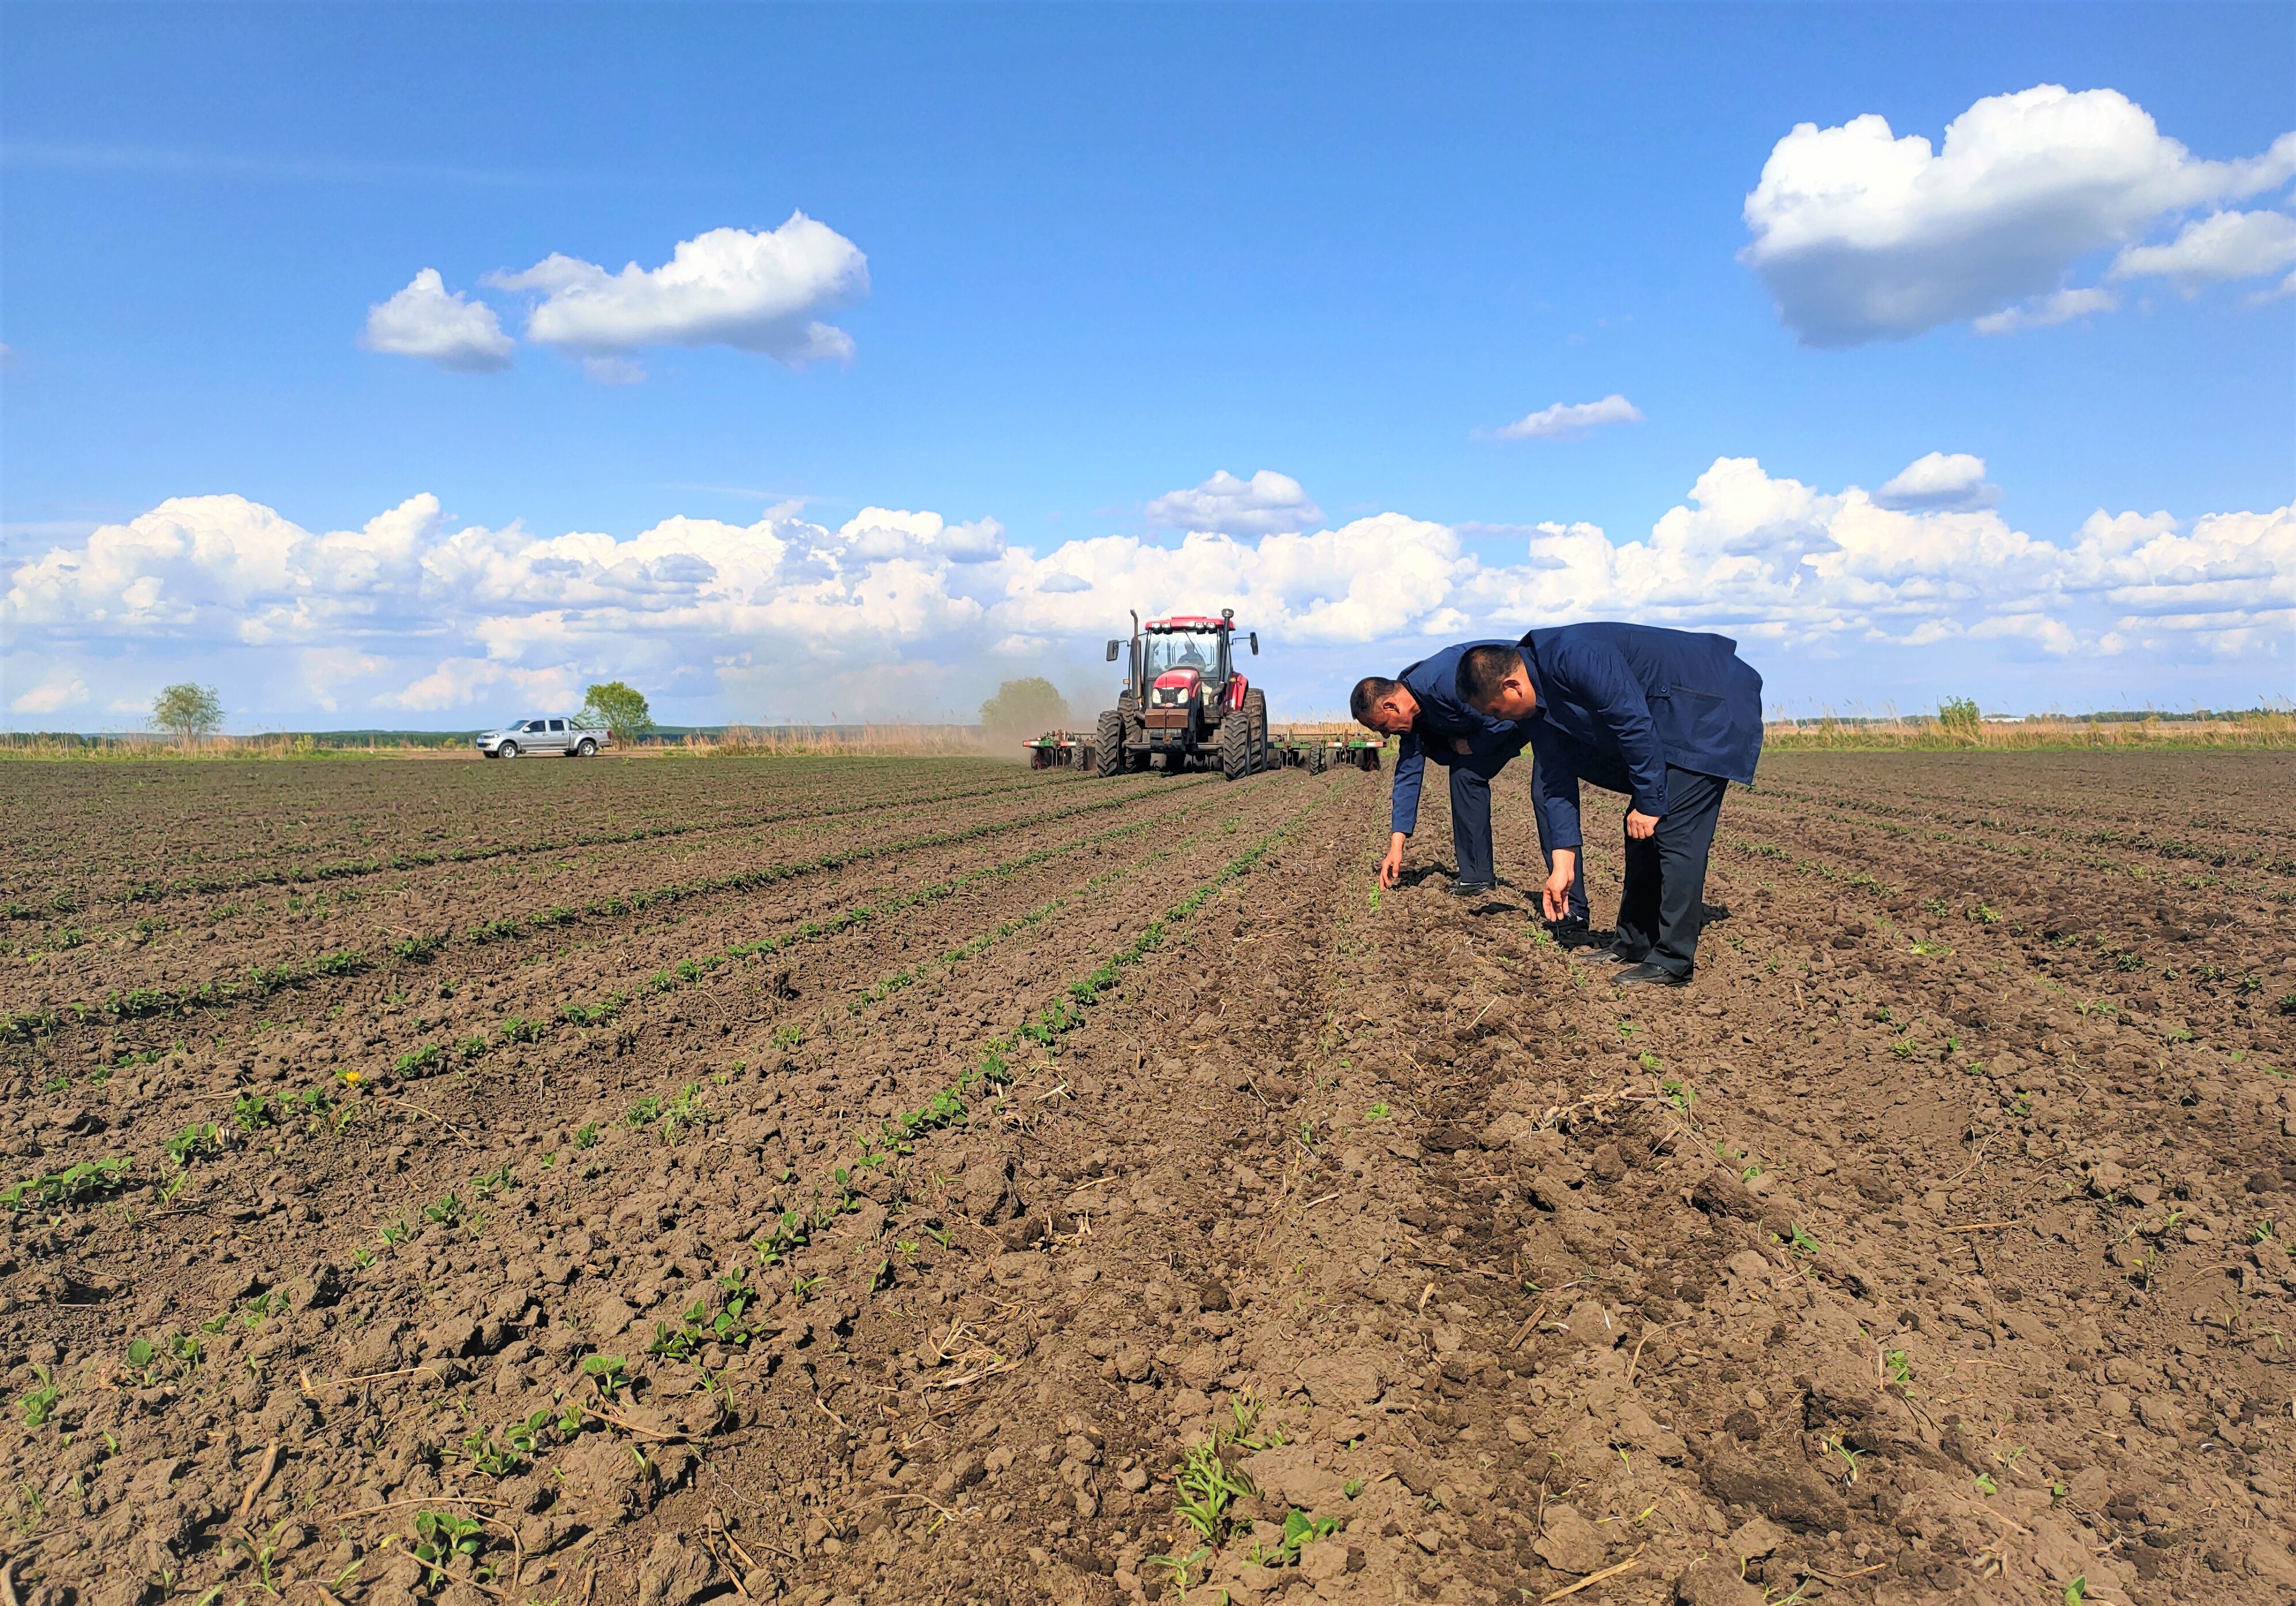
x: 190, y: 711
x: 621, y: 709
x: 1024, y: 708
x: 1959, y: 719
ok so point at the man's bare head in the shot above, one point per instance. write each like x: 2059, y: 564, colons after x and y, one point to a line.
x: 1385, y: 705
x: 1496, y: 681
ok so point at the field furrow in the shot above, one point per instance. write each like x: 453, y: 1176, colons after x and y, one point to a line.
x: 1007, y: 1191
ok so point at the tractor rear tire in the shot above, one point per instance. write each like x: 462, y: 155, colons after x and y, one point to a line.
x: 1107, y: 754
x: 1236, y: 746
x: 1255, y: 710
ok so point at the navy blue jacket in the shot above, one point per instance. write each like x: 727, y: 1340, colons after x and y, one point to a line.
x: 1617, y: 703
x: 1443, y: 716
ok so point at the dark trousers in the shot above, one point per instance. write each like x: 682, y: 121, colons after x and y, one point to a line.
x: 1471, y: 827
x: 1659, y: 911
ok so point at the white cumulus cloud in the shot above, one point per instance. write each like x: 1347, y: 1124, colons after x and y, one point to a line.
x: 57, y: 691
x: 760, y: 291
x: 2044, y: 312
x: 1567, y: 421
x: 452, y: 331
x: 1862, y: 235
x: 2223, y: 245
x: 897, y: 610
x: 1941, y: 482
x: 878, y: 533
x: 1224, y: 504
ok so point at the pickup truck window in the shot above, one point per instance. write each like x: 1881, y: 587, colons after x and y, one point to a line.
x: 537, y: 725
x: 557, y: 725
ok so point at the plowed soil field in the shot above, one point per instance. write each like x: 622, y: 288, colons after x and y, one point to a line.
x: 845, y: 1182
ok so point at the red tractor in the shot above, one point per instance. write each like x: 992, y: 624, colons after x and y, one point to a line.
x: 1183, y: 705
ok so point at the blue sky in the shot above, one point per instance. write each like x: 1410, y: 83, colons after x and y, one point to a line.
x: 1111, y: 251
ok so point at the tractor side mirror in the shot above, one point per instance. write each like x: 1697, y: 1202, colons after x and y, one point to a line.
x: 1254, y: 639
x: 1113, y: 648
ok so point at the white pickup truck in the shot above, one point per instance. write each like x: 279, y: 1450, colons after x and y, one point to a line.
x: 564, y: 736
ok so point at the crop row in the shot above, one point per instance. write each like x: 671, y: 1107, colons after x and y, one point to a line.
x: 260, y: 981
x: 694, y: 969
x: 749, y: 880
x: 413, y: 859
x: 2054, y: 847
x: 257, y: 982
x: 973, y: 947
x: 2270, y: 859
x: 993, y: 1069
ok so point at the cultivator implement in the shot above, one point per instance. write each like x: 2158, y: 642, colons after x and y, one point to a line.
x: 1316, y: 754
x: 1059, y: 750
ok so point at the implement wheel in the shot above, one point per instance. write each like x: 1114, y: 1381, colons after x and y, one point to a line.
x: 1108, y: 755
x: 1315, y: 760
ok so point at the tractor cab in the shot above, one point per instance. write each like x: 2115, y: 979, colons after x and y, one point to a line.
x: 1185, y: 661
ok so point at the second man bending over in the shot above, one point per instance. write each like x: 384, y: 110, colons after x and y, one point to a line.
x: 1667, y: 717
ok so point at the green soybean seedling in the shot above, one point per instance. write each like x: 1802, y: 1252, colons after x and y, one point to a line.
x: 39, y: 1404
x: 439, y: 1537
x: 194, y: 1142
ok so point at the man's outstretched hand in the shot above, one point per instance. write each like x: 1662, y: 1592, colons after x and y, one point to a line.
x: 1555, y: 897
x: 1639, y: 825
x: 1391, y: 866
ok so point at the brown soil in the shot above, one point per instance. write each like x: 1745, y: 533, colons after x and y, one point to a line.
x: 858, y: 1182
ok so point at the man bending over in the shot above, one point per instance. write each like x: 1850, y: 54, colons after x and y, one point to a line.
x: 1666, y: 717
x: 1423, y: 706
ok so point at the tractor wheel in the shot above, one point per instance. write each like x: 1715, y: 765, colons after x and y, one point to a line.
x: 1236, y: 746
x: 1255, y: 710
x: 1315, y: 760
x: 1108, y: 745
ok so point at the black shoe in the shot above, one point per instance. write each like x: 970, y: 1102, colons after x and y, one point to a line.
x: 1472, y: 888
x: 1647, y: 974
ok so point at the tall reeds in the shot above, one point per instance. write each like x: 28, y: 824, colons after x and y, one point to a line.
x: 1959, y: 729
